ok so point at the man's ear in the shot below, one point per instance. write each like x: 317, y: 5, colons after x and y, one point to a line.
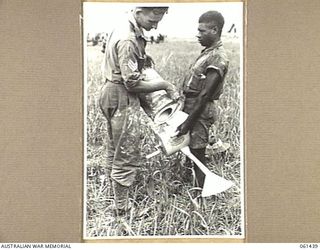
x: 137, y: 10
x: 215, y: 29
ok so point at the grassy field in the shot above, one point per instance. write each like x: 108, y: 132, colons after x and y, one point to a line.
x: 165, y: 203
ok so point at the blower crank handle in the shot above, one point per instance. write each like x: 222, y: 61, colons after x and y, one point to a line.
x: 158, y: 151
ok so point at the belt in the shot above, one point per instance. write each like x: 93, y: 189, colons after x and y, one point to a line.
x: 115, y: 82
x: 195, y: 95
x: 190, y: 94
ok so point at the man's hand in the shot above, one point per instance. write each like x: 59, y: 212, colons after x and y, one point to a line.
x: 183, y: 128
x: 173, y: 92
x: 149, y: 63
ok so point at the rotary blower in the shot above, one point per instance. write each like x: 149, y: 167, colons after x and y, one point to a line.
x: 167, y: 117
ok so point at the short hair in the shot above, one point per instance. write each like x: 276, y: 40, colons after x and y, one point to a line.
x: 156, y: 10
x: 213, y: 17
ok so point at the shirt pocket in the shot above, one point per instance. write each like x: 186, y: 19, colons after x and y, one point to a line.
x: 196, y: 81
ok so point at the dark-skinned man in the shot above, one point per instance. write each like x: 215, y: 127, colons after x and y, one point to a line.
x: 203, y: 87
x: 125, y: 58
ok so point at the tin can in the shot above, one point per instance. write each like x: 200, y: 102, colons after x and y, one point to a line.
x: 157, y: 105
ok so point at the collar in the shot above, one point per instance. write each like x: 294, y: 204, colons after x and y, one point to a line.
x: 137, y: 30
x: 214, y: 46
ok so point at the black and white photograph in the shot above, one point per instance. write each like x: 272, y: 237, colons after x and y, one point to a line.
x: 163, y: 120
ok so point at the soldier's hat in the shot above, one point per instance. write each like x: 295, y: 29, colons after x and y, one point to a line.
x: 156, y: 10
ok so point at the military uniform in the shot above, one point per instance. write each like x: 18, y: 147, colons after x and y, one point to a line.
x: 215, y: 58
x: 124, y: 59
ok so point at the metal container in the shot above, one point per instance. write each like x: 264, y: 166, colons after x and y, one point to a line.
x: 166, y: 115
x: 167, y: 133
x: 157, y: 105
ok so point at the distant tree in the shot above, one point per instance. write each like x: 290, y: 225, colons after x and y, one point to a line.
x: 151, y: 39
x: 104, y: 43
x: 97, y: 38
x: 160, y: 38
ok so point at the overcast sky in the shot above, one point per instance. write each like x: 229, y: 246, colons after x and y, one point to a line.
x: 181, y: 20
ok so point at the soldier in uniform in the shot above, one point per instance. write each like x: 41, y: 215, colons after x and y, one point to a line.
x: 125, y: 57
x: 203, y: 86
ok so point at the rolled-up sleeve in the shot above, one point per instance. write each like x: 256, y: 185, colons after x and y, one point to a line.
x: 128, y: 63
x: 218, y: 62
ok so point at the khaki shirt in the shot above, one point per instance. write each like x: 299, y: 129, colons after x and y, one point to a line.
x: 215, y: 58
x: 125, y: 53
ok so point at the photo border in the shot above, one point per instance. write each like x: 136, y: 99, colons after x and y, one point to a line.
x: 176, y: 239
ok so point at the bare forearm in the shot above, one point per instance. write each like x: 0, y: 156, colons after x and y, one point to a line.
x: 147, y: 87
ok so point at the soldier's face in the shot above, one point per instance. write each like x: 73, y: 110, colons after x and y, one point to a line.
x: 206, y: 34
x: 148, y: 20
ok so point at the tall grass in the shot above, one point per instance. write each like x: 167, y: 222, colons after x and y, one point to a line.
x: 165, y: 201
